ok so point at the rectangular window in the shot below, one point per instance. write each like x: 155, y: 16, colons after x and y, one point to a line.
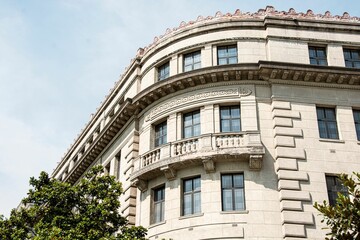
x: 191, y: 124
x: 191, y: 196
x: 327, y: 123
x: 230, y: 119
x: 334, y: 186
x: 163, y: 71
x: 232, y: 192
x: 318, y: 56
x: 356, y: 114
x: 159, y: 205
x: 352, y: 58
x: 192, y: 61
x: 160, y: 134
x: 227, y: 55
x: 118, y: 164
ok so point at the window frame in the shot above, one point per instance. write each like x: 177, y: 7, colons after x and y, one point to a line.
x: 356, y: 115
x: 350, y: 62
x: 191, y: 193
x: 163, y: 71
x: 317, y: 58
x: 230, y: 119
x: 338, y: 188
x: 227, y: 55
x: 192, y: 113
x: 193, y: 63
x: 326, y: 121
x: 163, y: 136
x: 160, y: 202
x: 233, y: 188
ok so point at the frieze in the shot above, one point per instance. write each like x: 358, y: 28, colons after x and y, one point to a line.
x: 194, y: 97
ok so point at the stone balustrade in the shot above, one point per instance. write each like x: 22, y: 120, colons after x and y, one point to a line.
x: 205, y: 149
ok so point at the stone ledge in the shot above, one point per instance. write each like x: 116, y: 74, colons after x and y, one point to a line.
x: 291, y: 205
x: 293, y: 175
x: 288, y: 184
x: 294, y: 230
x: 298, y: 217
x: 294, y: 195
x: 286, y: 164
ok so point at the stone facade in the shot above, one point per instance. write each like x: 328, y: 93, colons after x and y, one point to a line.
x: 274, y: 146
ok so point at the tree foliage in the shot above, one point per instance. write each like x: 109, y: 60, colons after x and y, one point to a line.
x: 57, y: 210
x: 343, y: 219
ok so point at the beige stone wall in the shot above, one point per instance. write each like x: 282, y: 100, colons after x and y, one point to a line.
x: 278, y: 109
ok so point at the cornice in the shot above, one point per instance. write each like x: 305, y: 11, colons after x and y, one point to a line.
x: 264, y: 72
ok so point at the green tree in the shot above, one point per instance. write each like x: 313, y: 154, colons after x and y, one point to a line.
x: 57, y: 210
x: 343, y: 219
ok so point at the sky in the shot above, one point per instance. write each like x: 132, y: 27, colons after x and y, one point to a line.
x: 59, y: 58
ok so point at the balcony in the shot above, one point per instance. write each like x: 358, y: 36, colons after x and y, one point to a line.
x: 206, y: 150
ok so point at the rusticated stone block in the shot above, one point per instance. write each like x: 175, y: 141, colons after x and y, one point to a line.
x: 294, y: 230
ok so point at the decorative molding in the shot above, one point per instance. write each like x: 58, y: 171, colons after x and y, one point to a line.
x: 255, y: 162
x: 261, y: 14
x: 197, y: 96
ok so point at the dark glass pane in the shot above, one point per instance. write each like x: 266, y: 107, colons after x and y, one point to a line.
x: 227, y: 200
x: 239, y: 199
x: 232, y: 51
x: 356, y: 64
x: 238, y: 181
x: 197, y: 65
x: 312, y: 52
x: 188, y: 68
x: 188, y: 185
x: 323, y: 62
x: 235, y: 112
x: 188, y: 60
x: 197, y: 184
x: 187, y: 204
x: 330, y: 113
x: 355, y: 55
x: 347, y: 54
x: 235, y: 125
x: 187, y: 132
x: 197, y: 202
x: 313, y: 61
x: 187, y: 120
x: 348, y: 64
x: 226, y: 181
x: 332, y: 129
x: 197, y: 130
x: 321, y: 53
x: 320, y: 113
x: 196, y: 118
x: 232, y: 60
x: 225, y: 126
x: 225, y: 112
x: 222, y: 53
x: 222, y: 61
x: 197, y: 57
x: 322, y: 129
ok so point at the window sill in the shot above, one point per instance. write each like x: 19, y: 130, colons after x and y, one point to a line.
x: 191, y: 216
x: 156, y: 224
x: 331, y: 140
x: 235, y: 212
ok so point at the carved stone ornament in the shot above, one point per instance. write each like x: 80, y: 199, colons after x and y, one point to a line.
x: 142, y: 185
x: 170, y: 173
x: 255, y: 162
x: 194, y: 97
x: 209, y: 165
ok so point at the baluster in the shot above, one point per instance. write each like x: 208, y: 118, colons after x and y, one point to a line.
x: 178, y: 148
x: 232, y: 144
x: 183, y: 148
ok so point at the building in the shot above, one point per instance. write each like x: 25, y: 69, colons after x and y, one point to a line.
x: 232, y: 126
